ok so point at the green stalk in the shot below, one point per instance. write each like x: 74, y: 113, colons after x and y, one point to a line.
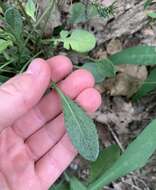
x: 39, y: 21
x: 28, y: 62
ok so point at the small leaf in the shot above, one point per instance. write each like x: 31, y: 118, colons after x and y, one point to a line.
x: 75, y: 184
x: 140, y: 55
x: 80, y: 41
x: 152, y: 15
x: 148, y: 86
x: 106, y: 159
x: 64, y: 34
x: 80, y: 128
x: 100, y: 69
x: 4, y: 44
x: 80, y: 13
x: 30, y: 9
x: 135, y: 157
x: 14, y: 20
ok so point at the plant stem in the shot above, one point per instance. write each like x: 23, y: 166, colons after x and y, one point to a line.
x: 6, y: 64
x: 39, y: 21
x: 28, y: 62
x: 23, y: 11
x: 44, y: 13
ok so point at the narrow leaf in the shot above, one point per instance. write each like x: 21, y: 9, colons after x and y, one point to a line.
x: 30, y: 9
x: 100, y: 69
x: 3, y: 79
x: 140, y: 55
x: 148, y: 86
x: 135, y: 157
x: 14, y: 20
x: 80, y: 128
x: 75, y: 184
x: 60, y: 186
x: 106, y: 159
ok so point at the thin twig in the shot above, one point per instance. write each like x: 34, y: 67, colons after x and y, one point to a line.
x: 115, y: 138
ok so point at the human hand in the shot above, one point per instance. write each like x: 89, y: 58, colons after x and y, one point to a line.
x: 34, y: 146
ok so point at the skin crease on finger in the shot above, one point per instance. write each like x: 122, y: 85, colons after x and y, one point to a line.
x: 17, y: 168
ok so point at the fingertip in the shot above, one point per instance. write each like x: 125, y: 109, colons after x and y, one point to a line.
x: 76, y: 82
x: 89, y: 99
x: 61, y: 66
x: 40, y: 69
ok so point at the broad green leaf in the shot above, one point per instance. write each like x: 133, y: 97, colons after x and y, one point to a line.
x: 139, y: 55
x: 100, y: 69
x: 75, y: 184
x: 80, y: 41
x: 135, y: 157
x: 60, y: 186
x: 80, y: 128
x: 14, y: 20
x: 80, y: 13
x: 106, y: 159
x: 3, y: 79
x: 30, y: 9
x: 148, y: 86
x: 4, y: 44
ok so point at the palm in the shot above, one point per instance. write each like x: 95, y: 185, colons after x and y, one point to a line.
x: 32, y: 147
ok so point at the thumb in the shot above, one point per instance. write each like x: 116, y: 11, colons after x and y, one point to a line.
x: 22, y: 92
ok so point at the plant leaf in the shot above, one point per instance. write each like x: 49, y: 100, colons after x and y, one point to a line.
x: 30, y: 9
x: 4, y: 44
x: 75, y: 184
x: 14, y: 20
x: 79, y: 13
x: 101, y: 69
x: 148, y: 86
x: 135, y: 157
x: 60, y: 186
x: 152, y: 15
x: 106, y: 159
x: 80, y: 41
x: 139, y: 55
x: 80, y: 128
x: 3, y: 79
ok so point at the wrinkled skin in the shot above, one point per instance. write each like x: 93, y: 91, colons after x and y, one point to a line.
x: 34, y: 146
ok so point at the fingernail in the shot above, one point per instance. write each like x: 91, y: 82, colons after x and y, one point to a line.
x: 34, y: 68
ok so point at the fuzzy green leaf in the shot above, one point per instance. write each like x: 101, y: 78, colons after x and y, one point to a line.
x: 75, y: 184
x: 148, y: 86
x: 100, y: 69
x: 80, y: 128
x: 30, y: 9
x: 135, y: 157
x: 140, y: 55
x: 80, y: 41
x: 106, y: 159
x: 15, y: 23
